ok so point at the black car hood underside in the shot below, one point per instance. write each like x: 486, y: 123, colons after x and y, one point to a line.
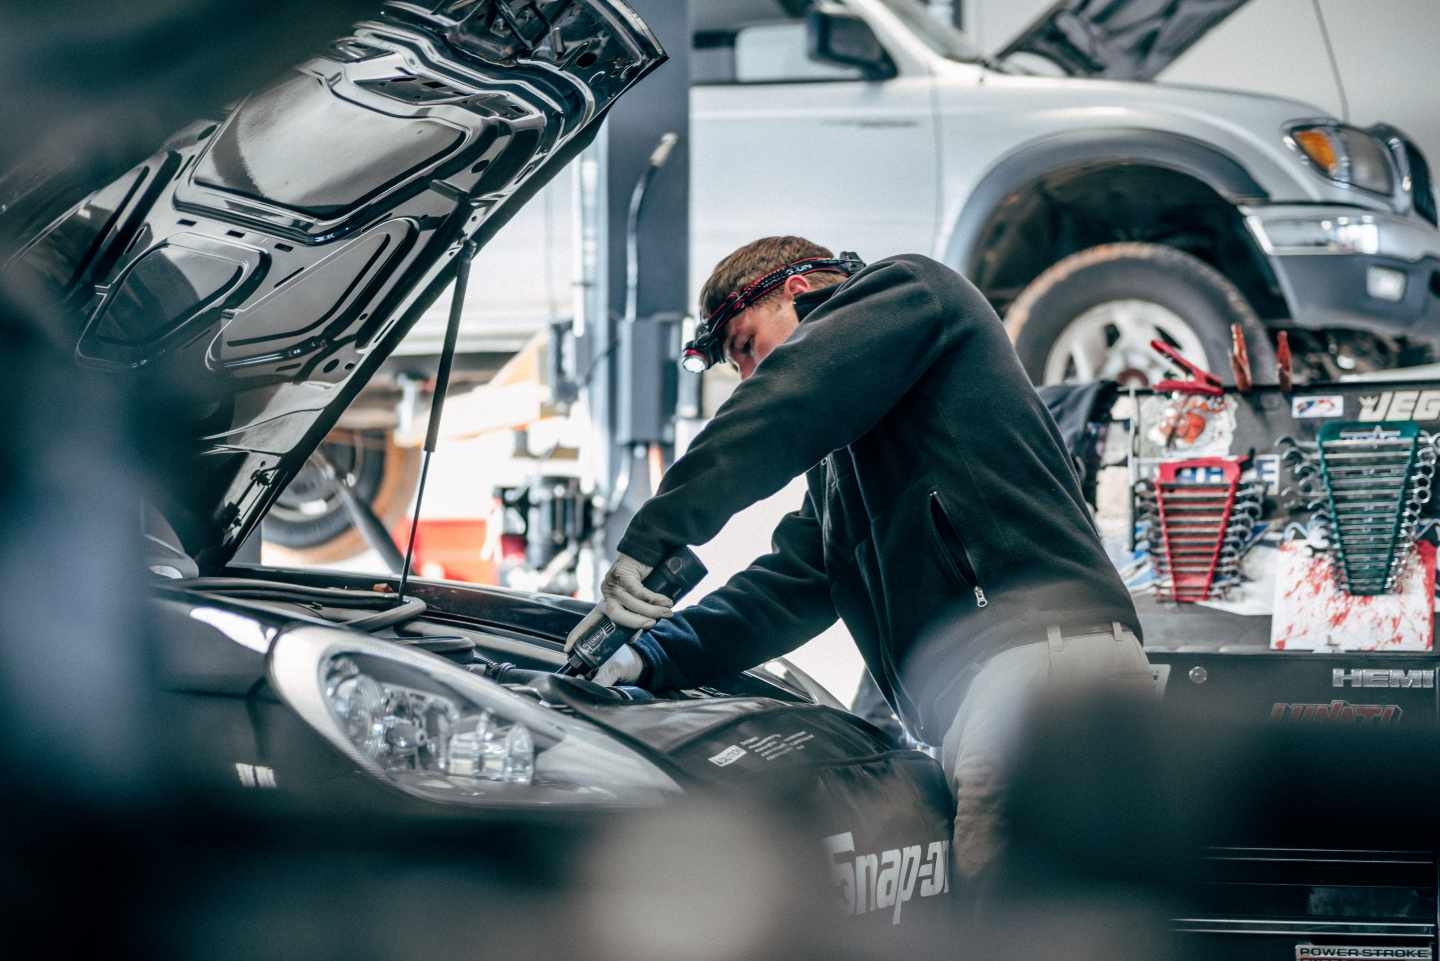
x: 258, y: 269
x: 1119, y: 39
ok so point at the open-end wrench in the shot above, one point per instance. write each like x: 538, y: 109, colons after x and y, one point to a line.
x: 1195, y: 505
x: 1350, y: 495
x: 1385, y: 443
x: 1229, y: 553
x: 1386, y: 458
x: 1363, y: 473
x: 1381, y: 506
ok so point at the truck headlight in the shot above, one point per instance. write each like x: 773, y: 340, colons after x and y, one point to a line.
x: 437, y: 732
x: 1346, y: 155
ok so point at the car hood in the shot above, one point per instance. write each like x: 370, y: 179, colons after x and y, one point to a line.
x: 1119, y: 39
x: 256, y: 270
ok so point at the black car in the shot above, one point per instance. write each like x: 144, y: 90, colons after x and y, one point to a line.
x: 255, y: 272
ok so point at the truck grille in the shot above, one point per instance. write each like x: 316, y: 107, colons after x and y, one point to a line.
x: 1420, y: 184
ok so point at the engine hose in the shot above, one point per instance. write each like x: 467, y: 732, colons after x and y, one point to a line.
x: 399, y: 614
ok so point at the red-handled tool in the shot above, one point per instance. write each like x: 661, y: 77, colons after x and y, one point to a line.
x: 1285, y: 367
x: 1240, y: 359
x: 1200, y: 381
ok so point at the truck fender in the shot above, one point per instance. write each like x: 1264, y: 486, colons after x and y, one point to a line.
x: 1075, y: 148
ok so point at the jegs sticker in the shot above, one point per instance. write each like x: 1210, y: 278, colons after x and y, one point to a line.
x: 1322, y: 405
x: 1401, y: 405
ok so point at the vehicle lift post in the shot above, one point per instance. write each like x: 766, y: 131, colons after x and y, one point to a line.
x: 634, y: 308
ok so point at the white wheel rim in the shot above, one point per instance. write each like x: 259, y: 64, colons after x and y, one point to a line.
x: 1111, y: 341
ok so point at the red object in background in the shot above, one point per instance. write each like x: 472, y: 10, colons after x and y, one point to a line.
x: 1198, y: 381
x: 1284, y: 374
x: 1240, y: 359
x: 512, y: 548
x: 450, y: 550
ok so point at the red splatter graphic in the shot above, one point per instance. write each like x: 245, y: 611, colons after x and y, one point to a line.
x: 1312, y: 614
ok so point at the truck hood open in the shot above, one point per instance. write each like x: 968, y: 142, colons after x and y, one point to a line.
x: 260, y: 267
x: 1119, y: 39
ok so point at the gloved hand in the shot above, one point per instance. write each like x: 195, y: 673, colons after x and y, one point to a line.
x: 623, y: 599
x: 623, y: 667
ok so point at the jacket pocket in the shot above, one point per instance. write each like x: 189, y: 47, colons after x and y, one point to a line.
x: 951, y: 550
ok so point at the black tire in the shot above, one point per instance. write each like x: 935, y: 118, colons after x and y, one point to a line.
x: 1187, y: 287
x: 308, y: 524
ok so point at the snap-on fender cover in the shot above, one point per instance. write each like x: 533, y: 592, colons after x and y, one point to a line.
x: 882, y: 818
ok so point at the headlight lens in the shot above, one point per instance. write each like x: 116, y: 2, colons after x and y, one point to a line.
x: 1347, y: 155
x: 438, y: 732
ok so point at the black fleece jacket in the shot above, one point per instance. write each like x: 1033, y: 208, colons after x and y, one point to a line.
x: 942, y: 522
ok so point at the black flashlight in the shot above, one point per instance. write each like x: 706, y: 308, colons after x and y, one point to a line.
x: 674, y: 577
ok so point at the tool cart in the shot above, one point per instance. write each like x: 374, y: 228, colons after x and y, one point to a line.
x: 1280, y: 545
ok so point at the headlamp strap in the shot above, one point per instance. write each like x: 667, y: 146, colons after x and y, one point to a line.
x: 848, y: 263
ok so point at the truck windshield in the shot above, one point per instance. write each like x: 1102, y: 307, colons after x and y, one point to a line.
x: 937, y: 35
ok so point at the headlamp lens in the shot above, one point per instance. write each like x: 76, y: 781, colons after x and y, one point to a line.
x: 705, y: 351
x: 695, y: 360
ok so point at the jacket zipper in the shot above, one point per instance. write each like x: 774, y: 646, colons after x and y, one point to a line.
x: 959, y: 559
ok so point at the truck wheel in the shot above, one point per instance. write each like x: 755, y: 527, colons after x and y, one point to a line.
x: 308, y: 523
x: 1094, y: 314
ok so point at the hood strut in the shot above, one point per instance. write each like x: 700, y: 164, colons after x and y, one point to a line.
x: 437, y: 400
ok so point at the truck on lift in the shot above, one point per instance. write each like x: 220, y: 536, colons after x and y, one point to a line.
x: 1096, y: 215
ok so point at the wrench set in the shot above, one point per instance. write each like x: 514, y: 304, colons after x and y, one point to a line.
x: 1195, y: 531
x: 1367, y: 485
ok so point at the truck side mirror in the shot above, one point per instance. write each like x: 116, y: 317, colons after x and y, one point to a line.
x: 835, y: 35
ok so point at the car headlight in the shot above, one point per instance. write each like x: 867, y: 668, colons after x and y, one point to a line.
x: 438, y: 732
x: 1346, y: 155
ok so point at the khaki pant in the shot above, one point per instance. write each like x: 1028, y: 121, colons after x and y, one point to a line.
x: 982, y: 740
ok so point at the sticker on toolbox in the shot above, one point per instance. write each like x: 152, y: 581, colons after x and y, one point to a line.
x: 1187, y: 426
x: 1266, y: 468
x: 1321, y: 405
x: 1312, y: 614
x: 1329, y: 952
x: 1400, y: 405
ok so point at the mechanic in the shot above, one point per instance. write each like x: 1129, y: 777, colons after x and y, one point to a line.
x: 943, y: 521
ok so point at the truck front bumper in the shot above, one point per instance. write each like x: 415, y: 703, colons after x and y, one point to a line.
x: 1349, y: 267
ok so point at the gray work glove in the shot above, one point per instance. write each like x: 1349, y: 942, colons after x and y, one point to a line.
x: 623, y: 599
x: 623, y: 667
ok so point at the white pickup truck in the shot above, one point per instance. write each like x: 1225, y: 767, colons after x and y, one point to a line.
x: 1096, y: 215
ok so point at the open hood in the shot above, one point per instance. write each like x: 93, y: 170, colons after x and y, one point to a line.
x: 261, y: 267
x: 1119, y: 39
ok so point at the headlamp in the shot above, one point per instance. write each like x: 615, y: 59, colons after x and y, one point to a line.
x: 708, y: 347
x: 434, y: 731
